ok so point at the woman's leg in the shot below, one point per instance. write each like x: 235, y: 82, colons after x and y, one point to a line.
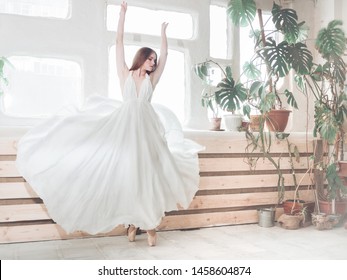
x: 152, y: 237
x: 131, y: 233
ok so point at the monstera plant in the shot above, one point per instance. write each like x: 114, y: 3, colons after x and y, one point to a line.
x: 277, y: 57
x: 326, y: 81
x: 228, y: 94
x: 279, y: 49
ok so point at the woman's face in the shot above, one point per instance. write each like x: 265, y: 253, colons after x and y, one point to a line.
x: 149, y: 64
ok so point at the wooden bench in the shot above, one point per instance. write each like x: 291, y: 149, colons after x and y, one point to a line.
x: 229, y: 192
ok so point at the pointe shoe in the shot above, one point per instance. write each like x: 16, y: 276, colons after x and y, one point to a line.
x: 132, y: 233
x: 152, y: 237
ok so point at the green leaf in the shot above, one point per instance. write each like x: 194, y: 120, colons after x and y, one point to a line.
x: 339, y: 70
x: 285, y: 20
x: 241, y: 12
x: 300, y: 58
x: 230, y: 95
x: 335, y: 184
x: 331, y: 41
x: 300, y: 82
x: 229, y: 73
x: 277, y: 56
x: 251, y: 71
x: 246, y: 109
x: 325, y: 123
x: 254, y: 89
x: 291, y: 99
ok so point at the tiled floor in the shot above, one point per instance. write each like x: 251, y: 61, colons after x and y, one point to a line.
x: 245, y: 242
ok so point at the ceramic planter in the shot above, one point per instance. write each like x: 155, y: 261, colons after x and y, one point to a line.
x: 232, y: 122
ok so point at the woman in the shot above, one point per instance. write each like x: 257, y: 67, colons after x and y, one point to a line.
x: 110, y: 165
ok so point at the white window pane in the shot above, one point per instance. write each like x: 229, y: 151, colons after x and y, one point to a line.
x: 170, y: 90
x: 218, y: 32
x: 41, y: 86
x: 38, y: 8
x: 146, y: 21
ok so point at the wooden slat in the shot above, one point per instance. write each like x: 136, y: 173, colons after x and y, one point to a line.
x: 242, y: 199
x: 8, y: 146
x: 16, y: 191
x: 228, y: 142
x: 24, y: 212
x: 211, y: 219
x: 250, y: 181
x: 8, y: 169
x: 239, y: 164
x: 44, y: 232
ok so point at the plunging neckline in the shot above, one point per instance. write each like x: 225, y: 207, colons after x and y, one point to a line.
x: 138, y: 90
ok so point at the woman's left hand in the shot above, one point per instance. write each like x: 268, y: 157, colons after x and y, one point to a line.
x: 163, y: 27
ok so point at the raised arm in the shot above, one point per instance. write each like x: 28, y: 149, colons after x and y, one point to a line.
x: 122, y: 68
x: 162, y: 57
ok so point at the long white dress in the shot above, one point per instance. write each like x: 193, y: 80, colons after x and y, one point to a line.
x: 111, y: 164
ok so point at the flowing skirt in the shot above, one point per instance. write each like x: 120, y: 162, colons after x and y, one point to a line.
x: 110, y: 164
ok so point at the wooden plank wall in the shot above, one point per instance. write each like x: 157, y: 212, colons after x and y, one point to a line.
x: 229, y: 192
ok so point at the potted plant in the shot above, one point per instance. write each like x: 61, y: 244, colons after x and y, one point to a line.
x: 228, y: 95
x: 208, y: 94
x: 326, y: 81
x: 278, y: 57
x: 273, y: 58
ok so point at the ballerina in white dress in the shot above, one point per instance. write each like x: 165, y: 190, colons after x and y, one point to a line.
x: 95, y: 171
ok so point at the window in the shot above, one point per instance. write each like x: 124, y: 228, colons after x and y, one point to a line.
x: 38, y: 8
x: 170, y: 90
x: 180, y: 24
x: 218, y: 32
x: 247, y: 43
x: 41, y: 86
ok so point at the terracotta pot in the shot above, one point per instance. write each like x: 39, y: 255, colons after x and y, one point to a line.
x: 277, y: 120
x: 215, y: 123
x: 342, y: 168
x: 326, y: 207
x: 292, y: 207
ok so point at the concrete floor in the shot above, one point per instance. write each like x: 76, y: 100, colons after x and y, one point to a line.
x: 244, y: 242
